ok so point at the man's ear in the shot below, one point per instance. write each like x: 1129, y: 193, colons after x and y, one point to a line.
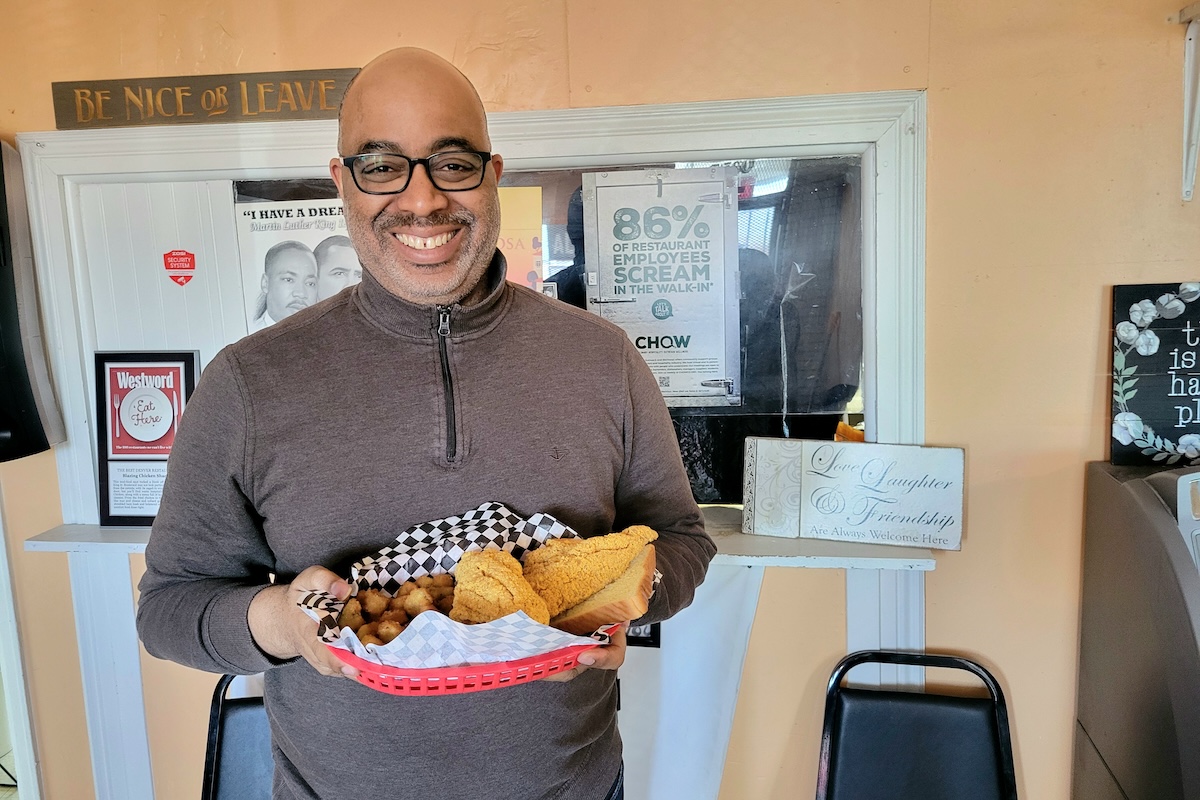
x: 335, y: 172
x: 498, y: 166
x: 263, y: 283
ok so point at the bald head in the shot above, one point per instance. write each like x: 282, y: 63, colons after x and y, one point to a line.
x: 402, y: 78
x: 431, y: 241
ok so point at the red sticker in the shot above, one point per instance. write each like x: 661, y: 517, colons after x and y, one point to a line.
x: 180, y: 266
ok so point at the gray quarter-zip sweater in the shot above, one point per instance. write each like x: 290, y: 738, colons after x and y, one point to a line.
x: 319, y: 439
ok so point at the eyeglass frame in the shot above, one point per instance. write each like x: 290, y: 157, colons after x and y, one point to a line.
x: 348, y: 162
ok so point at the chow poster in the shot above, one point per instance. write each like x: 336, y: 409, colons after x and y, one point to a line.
x: 662, y: 256
x: 140, y: 399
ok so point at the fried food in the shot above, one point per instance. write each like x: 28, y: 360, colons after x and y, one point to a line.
x: 351, y: 616
x: 389, y: 629
x: 417, y: 601
x: 489, y: 584
x: 565, y: 572
x: 374, y: 602
x: 625, y: 599
x: 377, y: 618
x: 394, y: 615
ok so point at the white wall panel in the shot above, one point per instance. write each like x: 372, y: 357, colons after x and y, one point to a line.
x: 126, y: 230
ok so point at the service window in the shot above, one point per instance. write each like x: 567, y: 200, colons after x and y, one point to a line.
x: 789, y: 317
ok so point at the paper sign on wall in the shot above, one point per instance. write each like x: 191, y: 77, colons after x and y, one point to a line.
x: 851, y: 491
x: 296, y: 253
x: 521, y: 233
x: 662, y: 265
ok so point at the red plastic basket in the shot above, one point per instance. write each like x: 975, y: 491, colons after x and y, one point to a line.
x: 460, y: 680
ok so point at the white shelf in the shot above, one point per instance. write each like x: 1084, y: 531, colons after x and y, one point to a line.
x: 89, y: 539
x: 724, y: 524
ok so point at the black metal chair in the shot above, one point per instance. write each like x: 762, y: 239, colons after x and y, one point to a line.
x: 883, y: 744
x: 237, y: 764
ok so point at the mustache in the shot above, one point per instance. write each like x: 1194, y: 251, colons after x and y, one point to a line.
x: 410, y: 220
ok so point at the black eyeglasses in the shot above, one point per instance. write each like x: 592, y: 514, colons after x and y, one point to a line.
x: 390, y: 173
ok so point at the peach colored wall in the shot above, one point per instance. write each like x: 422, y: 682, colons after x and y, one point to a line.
x: 29, y: 488
x: 1054, y: 161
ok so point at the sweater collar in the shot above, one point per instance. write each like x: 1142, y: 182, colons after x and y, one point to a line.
x: 421, y: 321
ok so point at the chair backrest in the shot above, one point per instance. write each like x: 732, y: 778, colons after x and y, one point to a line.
x: 238, y: 764
x: 897, y: 745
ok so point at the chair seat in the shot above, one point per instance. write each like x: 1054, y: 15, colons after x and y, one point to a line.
x: 881, y: 744
x: 898, y: 745
x: 239, y: 764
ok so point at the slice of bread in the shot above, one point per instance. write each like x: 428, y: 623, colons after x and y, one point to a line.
x: 625, y: 599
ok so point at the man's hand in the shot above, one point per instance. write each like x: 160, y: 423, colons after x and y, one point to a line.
x: 282, y: 629
x: 609, y: 656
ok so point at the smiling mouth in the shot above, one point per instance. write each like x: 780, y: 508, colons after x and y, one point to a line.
x: 425, y: 242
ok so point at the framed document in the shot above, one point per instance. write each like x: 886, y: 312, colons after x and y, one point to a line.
x: 140, y: 397
x: 648, y: 635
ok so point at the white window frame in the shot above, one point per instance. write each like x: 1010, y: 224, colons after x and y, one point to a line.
x: 886, y: 129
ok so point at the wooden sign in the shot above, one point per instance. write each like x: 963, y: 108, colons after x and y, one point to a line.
x: 1156, y: 374
x: 246, y: 97
x: 855, y: 492
x: 883, y: 494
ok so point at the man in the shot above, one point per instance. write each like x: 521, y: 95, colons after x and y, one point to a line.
x: 414, y: 384
x: 289, y: 283
x: 571, y: 281
x: 337, y: 266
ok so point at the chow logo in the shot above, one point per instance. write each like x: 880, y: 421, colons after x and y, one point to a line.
x: 662, y: 342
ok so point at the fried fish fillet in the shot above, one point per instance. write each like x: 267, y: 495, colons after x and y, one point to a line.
x: 489, y: 585
x: 567, y: 571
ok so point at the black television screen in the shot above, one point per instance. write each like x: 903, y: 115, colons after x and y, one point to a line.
x: 21, y: 430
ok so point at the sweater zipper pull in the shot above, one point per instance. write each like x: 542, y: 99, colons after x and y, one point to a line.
x: 443, y: 322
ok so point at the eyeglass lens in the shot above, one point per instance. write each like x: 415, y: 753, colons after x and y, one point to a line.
x: 391, y: 171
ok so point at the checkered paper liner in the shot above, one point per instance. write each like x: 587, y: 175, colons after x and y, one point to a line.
x: 434, y: 640
x: 433, y: 548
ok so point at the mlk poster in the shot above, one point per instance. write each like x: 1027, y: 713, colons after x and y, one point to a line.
x: 662, y: 265
x: 296, y: 253
x: 140, y: 397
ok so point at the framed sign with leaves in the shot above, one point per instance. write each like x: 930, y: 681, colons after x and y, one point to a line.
x: 1156, y: 374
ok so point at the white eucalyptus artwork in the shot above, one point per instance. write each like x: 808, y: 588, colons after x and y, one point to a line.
x: 1136, y: 344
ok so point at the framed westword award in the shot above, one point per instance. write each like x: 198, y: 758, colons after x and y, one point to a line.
x: 140, y: 397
